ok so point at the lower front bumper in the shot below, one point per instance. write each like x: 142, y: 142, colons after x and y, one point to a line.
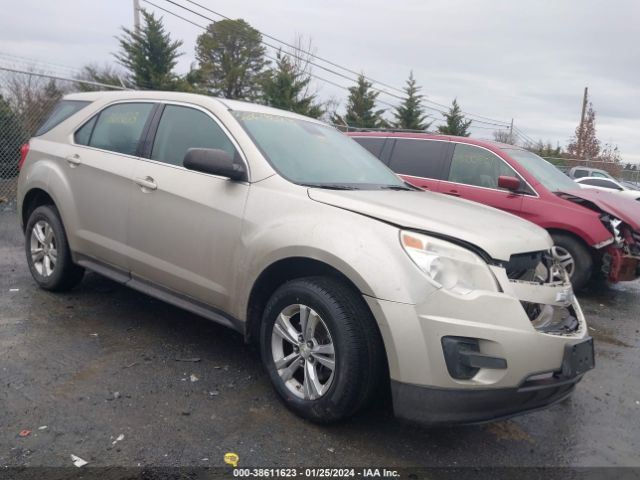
x: 444, y: 406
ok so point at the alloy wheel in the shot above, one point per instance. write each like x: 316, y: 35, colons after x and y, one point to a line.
x: 303, y: 351
x: 44, y: 253
x: 564, y: 258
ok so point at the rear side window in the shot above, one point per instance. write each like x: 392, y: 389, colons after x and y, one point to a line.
x: 596, y: 182
x: 580, y: 173
x: 419, y: 158
x: 472, y: 165
x: 63, y: 110
x: 117, y: 128
x: 182, y: 128
x: 374, y: 145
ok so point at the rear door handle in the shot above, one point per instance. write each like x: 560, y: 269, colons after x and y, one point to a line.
x: 146, y: 183
x: 453, y: 193
x: 73, y: 160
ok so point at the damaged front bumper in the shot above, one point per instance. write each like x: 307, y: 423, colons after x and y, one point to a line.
x: 621, y: 257
x: 484, y: 355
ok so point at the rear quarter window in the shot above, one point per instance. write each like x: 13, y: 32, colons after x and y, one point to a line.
x: 63, y: 110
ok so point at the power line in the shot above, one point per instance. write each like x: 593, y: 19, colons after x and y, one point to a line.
x: 15, y: 59
x: 489, y: 121
x: 309, y: 54
x: 322, y: 79
x: 370, y: 79
x: 58, y: 77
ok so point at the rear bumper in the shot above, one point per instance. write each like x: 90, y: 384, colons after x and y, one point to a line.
x: 444, y: 406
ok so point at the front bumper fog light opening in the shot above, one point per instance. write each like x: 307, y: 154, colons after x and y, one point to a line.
x: 464, y: 360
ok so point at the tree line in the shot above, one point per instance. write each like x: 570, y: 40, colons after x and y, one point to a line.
x: 232, y: 62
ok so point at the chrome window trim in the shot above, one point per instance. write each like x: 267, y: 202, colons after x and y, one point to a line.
x: 163, y: 102
x: 535, y: 192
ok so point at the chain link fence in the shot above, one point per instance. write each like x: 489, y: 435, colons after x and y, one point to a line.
x: 26, y: 99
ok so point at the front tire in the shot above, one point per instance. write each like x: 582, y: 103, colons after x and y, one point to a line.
x: 321, y: 348
x: 47, y: 250
x: 575, y: 257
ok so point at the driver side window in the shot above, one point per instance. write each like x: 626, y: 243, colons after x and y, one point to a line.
x: 182, y: 128
x: 476, y: 166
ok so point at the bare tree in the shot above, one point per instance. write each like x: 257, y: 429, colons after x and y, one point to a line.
x: 504, y: 136
x: 32, y: 97
x: 105, y: 74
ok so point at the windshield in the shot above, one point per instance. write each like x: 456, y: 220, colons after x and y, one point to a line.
x: 308, y: 153
x: 548, y: 175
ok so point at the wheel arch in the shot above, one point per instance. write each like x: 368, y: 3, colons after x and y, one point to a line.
x: 33, y: 199
x: 573, y: 235
x: 280, y: 272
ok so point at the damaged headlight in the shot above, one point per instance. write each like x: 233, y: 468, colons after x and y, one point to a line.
x: 447, y: 265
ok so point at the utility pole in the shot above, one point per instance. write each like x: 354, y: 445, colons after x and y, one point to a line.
x: 581, y: 131
x: 136, y: 15
x: 511, y: 132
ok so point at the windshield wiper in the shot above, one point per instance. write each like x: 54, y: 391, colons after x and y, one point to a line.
x: 331, y: 186
x: 396, y: 187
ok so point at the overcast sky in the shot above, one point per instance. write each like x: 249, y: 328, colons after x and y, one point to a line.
x: 501, y: 58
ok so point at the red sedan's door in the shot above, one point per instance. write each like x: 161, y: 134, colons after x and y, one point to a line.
x: 473, y: 175
x: 420, y: 162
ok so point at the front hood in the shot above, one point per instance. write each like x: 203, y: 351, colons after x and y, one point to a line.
x: 498, y: 233
x: 626, y: 209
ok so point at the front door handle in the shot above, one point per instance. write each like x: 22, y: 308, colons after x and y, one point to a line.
x: 453, y: 193
x: 73, y: 160
x: 146, y: 183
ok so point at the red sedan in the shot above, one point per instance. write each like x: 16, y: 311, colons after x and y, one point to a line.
x: 592, y: 230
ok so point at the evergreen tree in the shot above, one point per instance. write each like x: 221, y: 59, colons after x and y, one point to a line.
x: 231, y: 60
x: 410, y: 113
x: 585, y: 144
x: 149, y: 54
x: 286, y: 86
x: 361, y: 111
x: 456, y: 124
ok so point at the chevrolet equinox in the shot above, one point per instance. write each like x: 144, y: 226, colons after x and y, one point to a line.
x: 350, y: 280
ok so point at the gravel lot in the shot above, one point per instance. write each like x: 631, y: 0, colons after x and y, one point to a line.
x: 103, y: 361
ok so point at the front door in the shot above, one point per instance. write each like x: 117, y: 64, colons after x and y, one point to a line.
x: 473, y: 175
x: 184, y: 226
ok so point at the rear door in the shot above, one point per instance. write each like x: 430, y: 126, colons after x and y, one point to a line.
x: 473, y: 175
x: 99, y: 167
x: 184, y: 226
x: 420, y: 162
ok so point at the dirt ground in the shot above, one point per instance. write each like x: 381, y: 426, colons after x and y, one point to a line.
x: 120, y: 379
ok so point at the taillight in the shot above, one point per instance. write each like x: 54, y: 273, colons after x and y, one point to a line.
x: 24, y: 150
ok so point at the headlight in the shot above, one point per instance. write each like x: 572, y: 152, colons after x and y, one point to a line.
x: 447, y: 265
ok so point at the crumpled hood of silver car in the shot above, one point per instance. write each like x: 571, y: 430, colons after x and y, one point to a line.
x: 497, y: 233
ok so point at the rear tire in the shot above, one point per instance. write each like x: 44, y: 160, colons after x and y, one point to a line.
x: 572, y: 253
x: 344, y: 326
x: 47, y: 250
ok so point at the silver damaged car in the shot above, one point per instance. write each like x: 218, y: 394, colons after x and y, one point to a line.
x: 351, y: 281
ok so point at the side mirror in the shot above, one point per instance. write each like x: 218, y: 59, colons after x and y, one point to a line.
x: 214, y: 161
x: 510, y: 183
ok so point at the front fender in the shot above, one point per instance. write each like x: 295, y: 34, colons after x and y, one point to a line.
x: 365, y: 250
